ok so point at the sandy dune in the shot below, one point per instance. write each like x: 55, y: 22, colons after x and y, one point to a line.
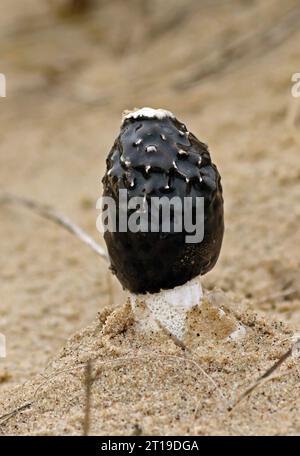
x: 225, y: 69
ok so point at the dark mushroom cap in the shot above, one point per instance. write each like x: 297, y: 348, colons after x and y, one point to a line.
x: 157, y: 156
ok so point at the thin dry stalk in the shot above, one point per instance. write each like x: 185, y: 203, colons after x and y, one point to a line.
x: 279, y: 295
x: 267, y: 374
x: 88, y: 390
x: 244, y: 49
x: 47, y: 212
x: 14, y: 412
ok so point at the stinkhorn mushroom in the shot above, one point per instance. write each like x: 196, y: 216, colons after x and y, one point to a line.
x: 156, y: 156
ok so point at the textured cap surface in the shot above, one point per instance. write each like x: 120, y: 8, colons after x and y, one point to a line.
x: 157, y: 156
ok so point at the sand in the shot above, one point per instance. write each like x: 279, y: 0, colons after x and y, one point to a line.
x: 225, y: 69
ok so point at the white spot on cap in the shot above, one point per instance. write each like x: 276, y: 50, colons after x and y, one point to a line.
x: 138, y: 142
x: 182, y: 152
x: 147, y: 113
x: 151, y: 149
x: 148, y: 167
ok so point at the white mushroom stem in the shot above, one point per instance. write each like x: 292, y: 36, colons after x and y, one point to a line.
x: 168, y: 307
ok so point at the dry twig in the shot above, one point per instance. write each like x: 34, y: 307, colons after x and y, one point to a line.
x: 49, y: 213
x: 88, y: 388
x: 14, y: 412
x: 275, y: 296
x: 266, y: 375
x: 244, y: 49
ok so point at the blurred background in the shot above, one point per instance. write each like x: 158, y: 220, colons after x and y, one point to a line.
x: 72, y: 67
